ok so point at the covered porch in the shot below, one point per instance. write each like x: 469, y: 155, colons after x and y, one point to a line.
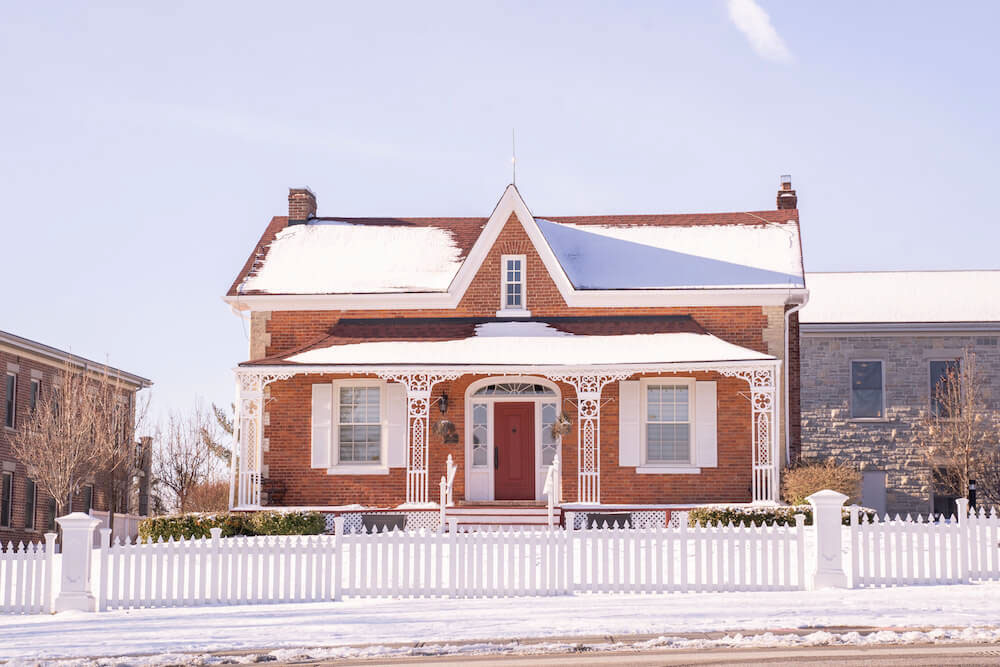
x: 507, y: 401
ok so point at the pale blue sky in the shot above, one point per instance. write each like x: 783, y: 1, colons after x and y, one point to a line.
x: 145, y: 149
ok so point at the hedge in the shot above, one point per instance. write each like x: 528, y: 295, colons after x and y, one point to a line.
x: 195, y: 525
x: 758, y: 516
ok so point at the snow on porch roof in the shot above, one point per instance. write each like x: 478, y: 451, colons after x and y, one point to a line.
x: 531, y: 343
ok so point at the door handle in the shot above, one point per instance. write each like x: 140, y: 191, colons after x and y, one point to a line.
x: 496, y: 457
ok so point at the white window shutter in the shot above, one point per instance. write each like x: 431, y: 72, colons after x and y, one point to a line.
x: 629, y: 424
x: 396, y: 417
x: 706, y: 425
x: 322, y: 424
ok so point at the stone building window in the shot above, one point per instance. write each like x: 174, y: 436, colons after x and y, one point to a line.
x: 942, y: 373
x: 867, y: 390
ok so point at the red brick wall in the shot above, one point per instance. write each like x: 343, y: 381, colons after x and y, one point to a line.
x: 17, y: 532
x: 292, y: 482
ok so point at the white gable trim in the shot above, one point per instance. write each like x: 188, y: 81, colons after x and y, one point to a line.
x: 511, y: 202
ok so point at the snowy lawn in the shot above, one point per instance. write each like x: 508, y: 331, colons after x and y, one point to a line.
x: 381, y: 621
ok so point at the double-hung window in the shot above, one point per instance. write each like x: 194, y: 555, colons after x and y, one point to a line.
x: 6, y: 498
x: 10, y: 400
x: 943, y: 374
x: 867, y: 390
x: 36, y: 390
x: 359, y: 428
x: 512, y: 285
x: 668, y: 423
x: 30, y: 498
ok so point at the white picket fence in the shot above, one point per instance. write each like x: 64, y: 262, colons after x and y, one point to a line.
x: 925, y: 549
x: 26, y: 572
x: 126, y: 525
x: 502, y: 563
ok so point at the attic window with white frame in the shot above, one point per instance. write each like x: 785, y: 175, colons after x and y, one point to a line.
x: 512, y: 285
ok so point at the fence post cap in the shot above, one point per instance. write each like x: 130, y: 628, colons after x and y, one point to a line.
x: 215, y: 532
x: 77, y: 520
x: 827, y: 497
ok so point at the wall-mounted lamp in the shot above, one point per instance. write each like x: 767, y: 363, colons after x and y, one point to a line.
x: 443, y: 403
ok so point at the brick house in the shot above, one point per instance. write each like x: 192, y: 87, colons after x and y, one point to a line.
x: 656, y: 355
x: 873, y: 346
x: 29, y: 370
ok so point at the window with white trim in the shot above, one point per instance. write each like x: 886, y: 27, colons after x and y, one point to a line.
x: 667, y: 428
x: 512, y: 278
x: 359, y: 426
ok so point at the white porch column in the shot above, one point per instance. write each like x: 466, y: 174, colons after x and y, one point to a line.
x: 764, y: 404
x: 588, y: 430
x: 248, y: 426
x: 418, y: 398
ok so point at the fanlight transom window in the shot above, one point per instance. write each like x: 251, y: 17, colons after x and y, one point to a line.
x: 515, y: 389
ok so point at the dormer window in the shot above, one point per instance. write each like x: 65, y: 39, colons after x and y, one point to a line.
x: 512, y: 292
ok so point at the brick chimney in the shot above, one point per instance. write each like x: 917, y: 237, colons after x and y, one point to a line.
x: 301, y: 205
x: 786, y: 196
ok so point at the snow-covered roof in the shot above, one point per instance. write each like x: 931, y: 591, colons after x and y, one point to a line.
x: 439, y: 256
x: 676, y: 257
x: 342, y: 257
x: 902, y: 297
x: 533, y: 343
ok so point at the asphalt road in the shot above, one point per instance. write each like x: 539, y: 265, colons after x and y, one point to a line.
x: 910, y: 655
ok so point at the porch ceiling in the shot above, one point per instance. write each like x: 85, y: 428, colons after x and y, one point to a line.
x: 526, y: 343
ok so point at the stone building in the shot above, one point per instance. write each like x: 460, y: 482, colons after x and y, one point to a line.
x: 873, y: 345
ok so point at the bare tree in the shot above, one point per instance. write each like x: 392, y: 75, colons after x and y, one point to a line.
x: 959, y: 434
x: 183, y: 460
x: 126, y: 415
x: 61, y: 443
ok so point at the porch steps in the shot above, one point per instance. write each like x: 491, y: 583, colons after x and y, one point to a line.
x: 496, y: 517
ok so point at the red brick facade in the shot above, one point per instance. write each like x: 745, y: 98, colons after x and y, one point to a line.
x: 26, y: 367
x: 291, y: 482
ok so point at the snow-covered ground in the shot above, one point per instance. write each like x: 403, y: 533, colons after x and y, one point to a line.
x: 439, y: 621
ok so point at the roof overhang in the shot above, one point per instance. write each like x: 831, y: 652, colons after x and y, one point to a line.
x: 53, y: 356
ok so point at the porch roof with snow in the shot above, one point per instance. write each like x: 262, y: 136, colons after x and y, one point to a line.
x: 499, y: 343
x: 436, y: 256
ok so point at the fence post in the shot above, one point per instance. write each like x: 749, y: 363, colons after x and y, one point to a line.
x: 338, y: 555
x: 570, y: 563
x: 50, y: 571
x: 102, y: 587
x: 964, y: 550
x: 444, y: 502
x: 453, y: 563
x: 800, y: 547
x: 827, y: 521
x: 77, y: 549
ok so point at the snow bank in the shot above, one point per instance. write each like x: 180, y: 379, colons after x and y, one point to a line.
x: 336, y: 625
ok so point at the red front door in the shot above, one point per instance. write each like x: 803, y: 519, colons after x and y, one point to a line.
x: 514, y: 451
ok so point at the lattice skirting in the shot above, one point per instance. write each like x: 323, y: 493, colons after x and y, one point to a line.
x: 640, y: 519
x: 353, y: 521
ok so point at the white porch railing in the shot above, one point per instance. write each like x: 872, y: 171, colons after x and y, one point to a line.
x: 553, y: 489
x: 447, y: 488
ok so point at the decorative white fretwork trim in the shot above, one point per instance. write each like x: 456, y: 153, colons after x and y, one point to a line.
x: 418, y: 399
x: 588, y: 388
x: 764, y: 406
x: 248, y: 423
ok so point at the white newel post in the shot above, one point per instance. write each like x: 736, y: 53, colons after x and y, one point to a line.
x: 77, y: 549
x: 764, y: 405
x: 418, y: 401
x: 827, y: 522
x: 588, y: 429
